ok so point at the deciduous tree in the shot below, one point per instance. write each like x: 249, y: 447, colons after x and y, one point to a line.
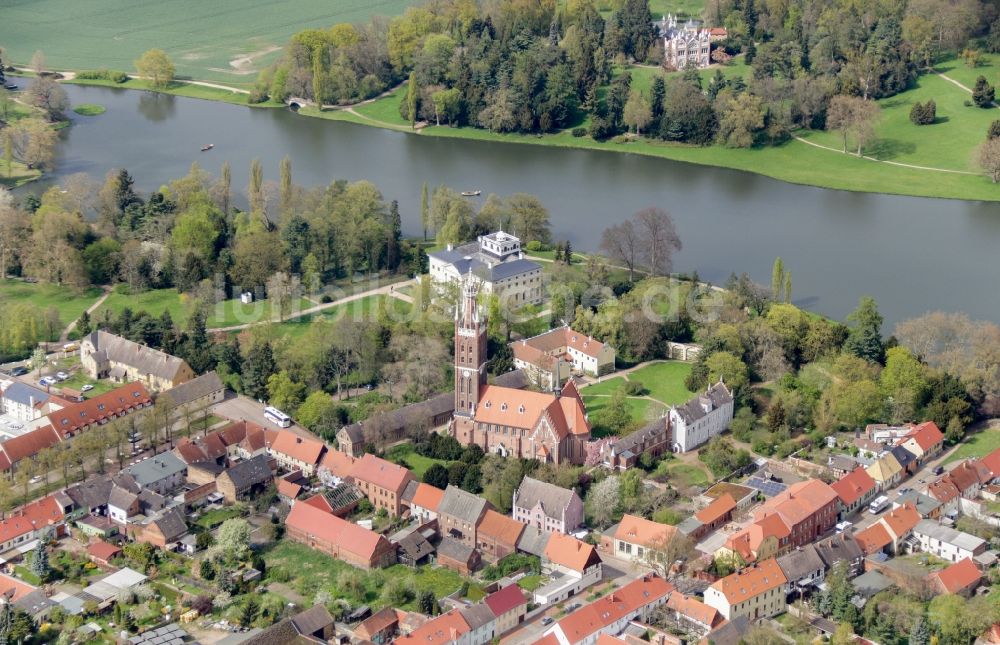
x: 156, y: 66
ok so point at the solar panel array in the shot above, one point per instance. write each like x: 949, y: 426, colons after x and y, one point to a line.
x: 766, y: 486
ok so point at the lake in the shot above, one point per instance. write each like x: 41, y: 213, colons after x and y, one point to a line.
x: 912, y: 254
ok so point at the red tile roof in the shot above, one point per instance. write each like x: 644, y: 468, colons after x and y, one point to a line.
x: 638, y: 530
x: 507, y: 406
x: 445, y: 628
x: 961, y: 576
x: 718, y: 509
x: 901, y: 521
x: 874, y: 538
x: 288, y: 489
x: 992, y: 461
x: 27, y: 445
x: 298, y: 448
x: 381, y: 473
x: 348, y: 536
x: 694, y: 609
x: 103, y: 551
x: 854, y: 486
x: 13, y: 588
x: 926, y: 435
x: 751, y: 582
x: 570, y: 552
x: 505, y: 600
x: 44, y: 512
x: 319, y: 501
x: 798, y: 502
x: 943, y: 490
x: 338, y: 463
x: 500, y: 528
x: 427, y: 496
x: 100, y: 409
x: 611, y: 608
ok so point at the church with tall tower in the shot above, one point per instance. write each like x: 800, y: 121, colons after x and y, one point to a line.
x: 550, y: 427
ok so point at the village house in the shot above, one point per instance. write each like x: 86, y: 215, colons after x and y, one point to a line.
x: 335, y: 466
x: 886, y: 471
x: 25, y: 402
x: 198, y: 393
x: 755, y: 592
x: 841, y: 465
x: 423, y: 500
x: 925, y: 441
x: 710, y: 518
x: 947, y: 543
x: 509, y: 606
x: 745, y: 496
x: 338, y: 538
x: 653, y: 438
x: 855, y: 490
x: 163, y: 529
x: 448, y: 628
x: 960, y: 578
x: 32, y: 520
x: 808, y: 508
x: 841, y: 548
x: 497, y: 535
x: 552, y: 428
x: 162, y: 473
x: 245, y: 479
x: 890, y: 531
x: 640, y: 540
x: 459, y: 513
x: 968, y: 477
x: 496, y: 262
x: 573, y: 566
x: 763, y: 539
x: 547, y: 507
x: 458, y: 556
x: 551, y: 357
x: 382, y: 482
x: 105, y: 355
x: 611, y: 614
x: 701, y: 418
x: 692, y: 614
x: 294, y: 452
x: 802, y: 567
x: 927, y: 507
x: 15, y: 450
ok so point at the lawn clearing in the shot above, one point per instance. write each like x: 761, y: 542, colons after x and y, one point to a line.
x: 361, y: 309
x: 386, y: 108
x: 415, y: 462
x: 80, y: 378
x: 979, y: 444
x: 685, y: 475
x: 641, y: 411
x: 68, y: 301
x: 226, y: 40
x: 16, y: 174
x: 217, y: 516
x: 665, y: 381
x: 223, y: 314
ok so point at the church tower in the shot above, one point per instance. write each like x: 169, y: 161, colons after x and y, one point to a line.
x: 470, y: 350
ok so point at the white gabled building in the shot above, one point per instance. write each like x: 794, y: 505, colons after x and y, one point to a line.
x: 701, y: 418
x: 497, y: 263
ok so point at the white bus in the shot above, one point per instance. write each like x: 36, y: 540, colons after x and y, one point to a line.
x: 277, y: 417
x: 878, y: 504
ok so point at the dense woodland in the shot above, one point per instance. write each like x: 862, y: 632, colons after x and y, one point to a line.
x: 523, y: 66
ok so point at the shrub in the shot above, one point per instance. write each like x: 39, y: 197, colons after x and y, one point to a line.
x: 923, y: 113
x: 982, y: 93
x: 994, y: 130
x: 634, y: 388
x: 103, y: 75
x: 257, y: 95
x: 533, y: 245
x: 579, y: 132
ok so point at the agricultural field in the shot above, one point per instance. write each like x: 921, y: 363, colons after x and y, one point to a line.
x: 68, y: 301
x: 223, y: 40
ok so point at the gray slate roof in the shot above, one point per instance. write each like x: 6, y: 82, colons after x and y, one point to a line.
x: 730, y: 633
x: 903, y: 456
x: 462, y: 504
x: 870, y: 583
x: 925, y: 504
x: 172, y: 523
x: 717, y: 396
x: 91, y: 494
x: 154, y: 469
x: 143, y: 359
x: 452, y: 548
x: 251, y: 471
x: 800, y: 563
x: 312, y: 620
x: 23, y: 393
x: 121, y: 498
x: 533, y: 540
x: 477, y: 615
x: 839, y: 548
x: 195, y: 389
x: 554, y: 499
x: 949, y: 535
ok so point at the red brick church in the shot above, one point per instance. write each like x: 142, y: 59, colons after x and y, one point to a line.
x: 532, y: 425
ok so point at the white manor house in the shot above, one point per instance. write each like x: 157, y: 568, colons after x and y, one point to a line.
x: 497, y: 262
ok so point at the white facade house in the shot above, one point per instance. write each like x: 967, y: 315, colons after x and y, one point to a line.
x: 550, y: 358
x: 25, y: 402
x: 498, y: 264
x: 701, y: 418
x: 572, y: 566
x: 947, y: 543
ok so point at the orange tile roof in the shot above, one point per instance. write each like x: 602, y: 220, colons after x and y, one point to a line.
x: 560, y: 337
x: 14, y: 587
x: 103, y: 550
x: 694, y: 609
x: 927, y: 435
x: 608, y: 610
x: 874, y: 538
x: 965, y: 475
x: 427, y: 496
x: 444, y: 629
x: 503, y: 529
x: 960, y: 576
x: 570, y: 552
x: 992, y: 461
x: 101, y: 408
x: 605, y: 639
x: 44, y: 512
x: 28, y: 444
x: 751, y: 582
x: 523, y: 409
x: 338, y: 463
x: 747, y: 542
x: 379, y: 472
x: 798, y: 502
x: 854, y: 486
x: 348, y: 536
x: 943, y: 490
x: 638, y: 530
x: 288, y: 489
x: 299, y: 448
x: 718, y: 509
x: 319, y: 501
x: 900, y: 521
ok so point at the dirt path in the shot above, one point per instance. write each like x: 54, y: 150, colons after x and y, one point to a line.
x: 386, y: 290
x: 91, y: 309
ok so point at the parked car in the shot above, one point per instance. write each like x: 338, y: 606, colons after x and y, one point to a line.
x: 87, y: 387
x: 35, y: 479
x: 47, y: 380
x: 939, y: 470
x: 20, y: 370
x: 62, y: 376
x: 547, y: 620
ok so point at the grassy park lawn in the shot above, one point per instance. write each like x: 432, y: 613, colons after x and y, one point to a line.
x: 362, y: 309
x: 640, y: 409
x: 685, y: 475
x: 417, y: 463
x: 223, y: 314
x: 385, y: 109
x: 217, y: 516
x: 68, y: 301
x: 177, y: 88
x: 977, y: 445
x: 665, y: 381
x: 80, y: 378
x: 642, y: 75
x: 225, y: 40
x: 958, y: 70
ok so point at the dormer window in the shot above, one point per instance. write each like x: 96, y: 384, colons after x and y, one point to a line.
x: 520, y: 409
x: 503, y: 407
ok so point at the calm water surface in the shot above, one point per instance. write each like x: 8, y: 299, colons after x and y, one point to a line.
x: 911, y: 254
